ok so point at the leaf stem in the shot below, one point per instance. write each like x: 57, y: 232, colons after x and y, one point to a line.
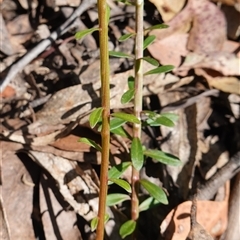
x: 105, y: 95
x: 137, y: 101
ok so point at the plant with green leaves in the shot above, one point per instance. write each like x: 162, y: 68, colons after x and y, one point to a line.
x: 114, y: 123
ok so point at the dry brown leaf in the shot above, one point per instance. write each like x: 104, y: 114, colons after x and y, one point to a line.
x: 223, y: 62
x: 208, y: 33
x: 20, y: 30
x: 8, y: 92
x: 17, y: 196
x: 225, y: 84
x: 72, y: 181
x: 212, y: 215
x: 168, y: 8
x: 170, y: 49
x: 5, y: 46
x: 197, y: 232
x: 57, y: 222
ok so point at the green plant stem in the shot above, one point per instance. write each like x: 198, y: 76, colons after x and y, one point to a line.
x: 137, y: 100
x: 105, y: 96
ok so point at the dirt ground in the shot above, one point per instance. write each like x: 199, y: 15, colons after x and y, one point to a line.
x: 50, y: 83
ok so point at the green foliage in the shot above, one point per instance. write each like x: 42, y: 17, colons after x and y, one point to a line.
x: 125, y: 37
x: 172, y: 116
x: 116, y: 198
x: 148, y: 203
x: 119, y: 54
x: 152, y: 61
x: 158, y: 70
x: 118, y: 170
x: 127, y: 117
x: 162, y: 157
x: 131, y: 81
x: 95, y: 116
x: 154, y: 119
x: 161, y: 120
x: 127, y: 228
x: 121, y: 183
x: 158, y: 26
x: 94, y: 223
x: 119, y: 119
x: 149, y: 40
x: 84, y: 33
x: 154, y: 191
x: 121, y: 132
x: 127, y: 96
x: 108, y: 14
x: 137, y: 153
x: 116, y: 123
x: 90, y: 143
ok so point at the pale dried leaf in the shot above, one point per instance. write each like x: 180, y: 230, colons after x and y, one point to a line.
x: 5, y: 46
x: 208, y: 33
x: 226, y: 63
x: 168, y: 8
x: 170, y: 50
x: 57, y: 222
x: 20, y: 30
x: 211, y: 215
x: 80, y: 183
x: 17, y: 196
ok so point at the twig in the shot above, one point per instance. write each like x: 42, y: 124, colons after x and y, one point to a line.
x: 208, y: 189
x: 33, y: 53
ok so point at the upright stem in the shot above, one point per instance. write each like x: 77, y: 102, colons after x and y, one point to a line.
x: 137, y: 100
x: 105, y: 96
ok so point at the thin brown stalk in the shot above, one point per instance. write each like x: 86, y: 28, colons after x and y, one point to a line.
x: 105, y: 133
x: 137, y: 101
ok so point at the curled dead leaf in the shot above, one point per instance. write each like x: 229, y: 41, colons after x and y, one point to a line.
x: 212, y: 215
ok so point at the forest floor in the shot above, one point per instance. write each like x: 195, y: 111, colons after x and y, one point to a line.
x: 50, y: 83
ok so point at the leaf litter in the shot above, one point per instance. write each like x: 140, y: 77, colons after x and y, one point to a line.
x: 45, y: 110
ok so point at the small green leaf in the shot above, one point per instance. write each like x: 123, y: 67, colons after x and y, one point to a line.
x: 125, y: 116
x: 158, y: 26
x: 162, y: 157
x: 152, y: 61
x: 95, y: 116
x: 106, y: 218
x: 118, y: 170
x: 125, y: 37
x: 116, y: 198
x: 149, y: 40
x: 119, y: 54
x: 121, y: 132
x: 125, y: 2
x: 154, y: 191
x: 108, y: 14
x: 127, y: 96
x: 131, y: 82
x: 116, y: 123
x: 94, y: 223
x: 148, y: 203
x: 172, y: 116
x: 160, y: 121
x: 121, y: 183
x: 148, y: 114
x: 127, y: 228
x: 137, y: 153
x: 158, y: 70
x: 90, y: 143
x: 83, y: 33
